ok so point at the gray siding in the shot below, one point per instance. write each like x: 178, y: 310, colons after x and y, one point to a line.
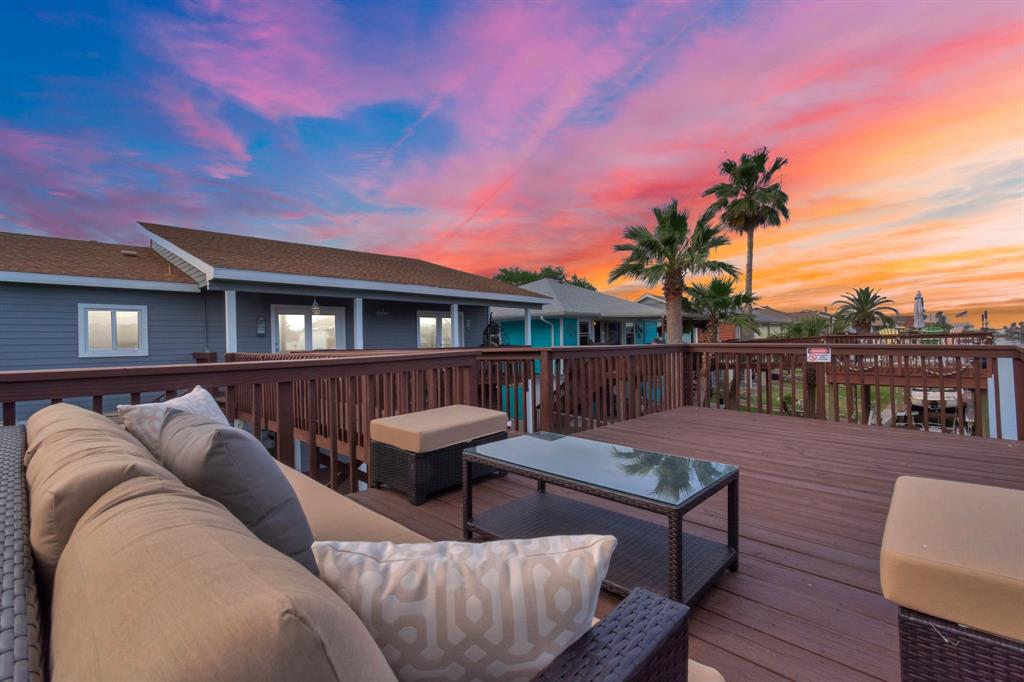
x: 39, y: 330
x: 397, y: 327
x: 39, y: 325
x: 180, y: 263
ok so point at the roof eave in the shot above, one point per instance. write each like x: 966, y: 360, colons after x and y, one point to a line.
x: 99, y: 282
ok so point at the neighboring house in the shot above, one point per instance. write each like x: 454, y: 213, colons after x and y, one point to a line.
x: 68, y: 303
x: 692, y: 322
x: 577, y: 317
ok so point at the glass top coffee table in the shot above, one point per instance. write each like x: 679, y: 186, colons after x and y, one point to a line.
x: 676, y: 564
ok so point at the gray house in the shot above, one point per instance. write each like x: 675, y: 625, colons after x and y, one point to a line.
x: 70, y: 303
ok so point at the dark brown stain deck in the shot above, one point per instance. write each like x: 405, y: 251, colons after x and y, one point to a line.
x: 806, y: 602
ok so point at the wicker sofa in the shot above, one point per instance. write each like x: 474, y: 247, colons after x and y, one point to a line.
x: 157, y: 582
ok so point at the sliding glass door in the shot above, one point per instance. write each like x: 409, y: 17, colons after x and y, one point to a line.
x: 296, y: 328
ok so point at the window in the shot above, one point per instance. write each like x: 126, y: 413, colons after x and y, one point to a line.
x: 296, y: 328
x: 586, y: 334
x: 106, y: 331
x: 434, y: 329
x: 631, y: 333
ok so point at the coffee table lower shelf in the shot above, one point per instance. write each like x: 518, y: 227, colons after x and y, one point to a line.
x: 641, y: 556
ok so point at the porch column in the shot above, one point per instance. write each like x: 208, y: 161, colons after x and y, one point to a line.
x: 456, y: 327
x: 527, y: 324
x: 230, y: 323
x: 357, y: 323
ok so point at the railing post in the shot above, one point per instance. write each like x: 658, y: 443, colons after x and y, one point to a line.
x: 819, y: 390
x: 470, y: 379
x: 546, y: 388
x: 1018, y: 393
x: 286, y: 423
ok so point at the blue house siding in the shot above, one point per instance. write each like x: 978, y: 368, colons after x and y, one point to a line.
x: 564, y: 331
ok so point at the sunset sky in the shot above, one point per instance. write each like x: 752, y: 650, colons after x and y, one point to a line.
x: 492, y: 133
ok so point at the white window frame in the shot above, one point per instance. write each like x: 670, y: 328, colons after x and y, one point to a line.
x: 580, y: 324
x: 340, y: 332
x: 438, y: 334
x: 83, y: 331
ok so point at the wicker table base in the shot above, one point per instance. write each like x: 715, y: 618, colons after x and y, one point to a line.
x: 641, y: 557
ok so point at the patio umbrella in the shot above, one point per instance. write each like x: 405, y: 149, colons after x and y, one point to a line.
x: 918, y: 311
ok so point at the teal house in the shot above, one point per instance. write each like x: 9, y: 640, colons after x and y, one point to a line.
x: 577, y: 317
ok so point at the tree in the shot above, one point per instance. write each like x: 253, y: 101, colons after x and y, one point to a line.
x: 750, y: 199
x: 863, y: 306
x: 812, y: 326
x: 519, y: 276
x: 720, y: 303
x: 668, y: 254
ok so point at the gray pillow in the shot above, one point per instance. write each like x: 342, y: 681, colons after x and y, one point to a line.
x: 229, y: 465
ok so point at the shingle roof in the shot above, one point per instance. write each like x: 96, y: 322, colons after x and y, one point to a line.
x: 73, y: 257
x: 237, y: 252
x: 571, y: 300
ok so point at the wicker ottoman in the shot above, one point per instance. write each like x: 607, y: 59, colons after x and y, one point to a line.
x: 421, y: 453
x: 953, y: 559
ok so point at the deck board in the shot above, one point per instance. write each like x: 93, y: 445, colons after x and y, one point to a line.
x: 806, y: 602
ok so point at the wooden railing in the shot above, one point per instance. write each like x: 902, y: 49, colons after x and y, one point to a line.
x: 326, y: 402
x: 583, y: 388
x: 952, y: 389
x: 904, y: 338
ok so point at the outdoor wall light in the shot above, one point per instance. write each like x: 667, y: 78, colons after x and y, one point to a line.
x: 261, y: 326
x: 315, y: 309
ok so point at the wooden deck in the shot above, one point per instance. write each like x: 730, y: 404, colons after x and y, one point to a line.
x: 806, y: 602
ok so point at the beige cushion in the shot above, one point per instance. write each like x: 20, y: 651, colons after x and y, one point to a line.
x: 956, y: 551
x: 332, y: 516
x: 438, y: 428
x: 144, y: 421
x: 74, y: 457
x: 457, y: 610
x: 161, y: 583
x: 698, y: 672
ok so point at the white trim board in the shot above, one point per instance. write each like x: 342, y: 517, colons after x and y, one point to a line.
x: 100, y: 282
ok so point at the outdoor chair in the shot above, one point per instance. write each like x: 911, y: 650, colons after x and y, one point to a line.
x: 953, y: 559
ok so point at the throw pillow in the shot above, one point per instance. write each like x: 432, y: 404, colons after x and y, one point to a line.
x: 229, y: 465
x: 144, y: 421
x: 498, y: 610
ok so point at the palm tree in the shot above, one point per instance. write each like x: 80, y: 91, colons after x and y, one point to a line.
x: 674, y: 475
x: 720, y: 303
x: 863, y: 306
x: 668, y: 254
x: 750, y: 199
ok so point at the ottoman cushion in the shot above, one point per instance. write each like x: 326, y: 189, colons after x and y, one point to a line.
x: 438, y: 428
x: 955, y: 551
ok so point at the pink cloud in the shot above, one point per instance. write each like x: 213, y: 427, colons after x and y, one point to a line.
x: 198, y: 121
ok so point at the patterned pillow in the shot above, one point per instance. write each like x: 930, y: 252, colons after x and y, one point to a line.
x: 497, y: 610
x: 144, y: 421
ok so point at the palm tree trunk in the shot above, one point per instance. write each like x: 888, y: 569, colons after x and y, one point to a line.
x: 673, y: 317
x: 749, y: 275
x: 673, y: 290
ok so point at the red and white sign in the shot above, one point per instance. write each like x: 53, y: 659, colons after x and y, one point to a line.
x: 819, y: 355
